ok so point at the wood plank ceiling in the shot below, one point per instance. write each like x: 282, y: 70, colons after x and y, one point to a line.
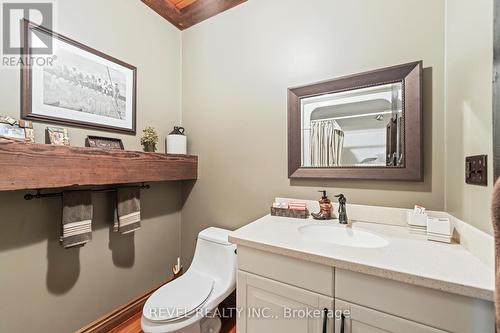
x: 181, y: 4
x: 186, y: 13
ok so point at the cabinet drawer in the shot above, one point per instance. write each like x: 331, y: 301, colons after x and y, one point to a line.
x: 365, y: 320
x: 446, y: 311
x: 299, y: 273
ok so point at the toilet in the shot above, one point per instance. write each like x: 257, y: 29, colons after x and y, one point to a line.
x: 185, y: 304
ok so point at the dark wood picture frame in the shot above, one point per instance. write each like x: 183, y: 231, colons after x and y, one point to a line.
x: 104, y: 142
x: 410, y: 75
x: 26, y: 83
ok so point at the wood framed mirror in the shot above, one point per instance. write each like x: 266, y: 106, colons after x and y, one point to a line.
x: 363, y: 126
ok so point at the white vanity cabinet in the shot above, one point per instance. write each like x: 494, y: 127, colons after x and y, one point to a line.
x: 278, y: 283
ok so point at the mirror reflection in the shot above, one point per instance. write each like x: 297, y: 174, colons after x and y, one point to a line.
x: 355, y: 128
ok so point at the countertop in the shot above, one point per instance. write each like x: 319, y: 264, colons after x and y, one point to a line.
x: 408, y: 258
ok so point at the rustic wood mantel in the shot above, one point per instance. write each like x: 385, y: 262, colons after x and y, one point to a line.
x: 25, y: 166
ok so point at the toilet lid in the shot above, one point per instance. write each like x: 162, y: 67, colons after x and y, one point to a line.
x: 179, y: 298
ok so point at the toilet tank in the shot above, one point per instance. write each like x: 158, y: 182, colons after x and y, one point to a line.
x: 215, y: 256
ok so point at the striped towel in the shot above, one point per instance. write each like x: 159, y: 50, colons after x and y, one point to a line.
x: 76, y: 226
x: 127, y: 210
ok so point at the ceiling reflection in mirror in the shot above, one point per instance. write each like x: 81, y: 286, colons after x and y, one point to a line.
x: 355, y: 128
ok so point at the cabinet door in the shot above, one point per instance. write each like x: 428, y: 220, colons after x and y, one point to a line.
x: 358, y: 319
x: 269, y: 306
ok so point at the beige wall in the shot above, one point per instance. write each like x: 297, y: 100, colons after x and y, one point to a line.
x: 236, y: 69
x: 469, y: 67
x: 45, y: 288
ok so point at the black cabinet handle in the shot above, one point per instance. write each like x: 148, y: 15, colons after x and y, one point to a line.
x: 325, y: 319
x: 342, y: 319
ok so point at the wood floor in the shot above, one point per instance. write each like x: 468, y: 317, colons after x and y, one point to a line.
x: 133, y: 325
x: 127, y: 318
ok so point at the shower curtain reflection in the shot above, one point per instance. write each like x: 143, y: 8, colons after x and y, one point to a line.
x: 327, y: 140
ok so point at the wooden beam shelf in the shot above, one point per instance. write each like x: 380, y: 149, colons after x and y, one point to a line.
x: 25, y: 166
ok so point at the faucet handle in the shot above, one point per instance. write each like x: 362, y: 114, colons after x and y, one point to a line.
x: 342, y: 198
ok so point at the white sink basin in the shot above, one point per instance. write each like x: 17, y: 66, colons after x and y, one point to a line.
x: 341, y: 235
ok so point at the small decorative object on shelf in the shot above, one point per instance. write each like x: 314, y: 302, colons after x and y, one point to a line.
x: 25, y: 124
x: 7, y: 120
x: 104, y: 143
x: 21, y: 130
x: 29, y: 135
x: 58, y: 136
x: 12, y: 132
x: 149, y: 139
x: 177, y: 141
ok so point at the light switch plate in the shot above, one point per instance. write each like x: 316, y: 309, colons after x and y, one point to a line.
x: 476, y: 170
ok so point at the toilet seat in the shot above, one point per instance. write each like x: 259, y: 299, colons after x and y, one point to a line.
x: 179, y: 298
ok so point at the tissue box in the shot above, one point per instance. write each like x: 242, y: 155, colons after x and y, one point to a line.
x: 419, y: 220
x: 440, y: 226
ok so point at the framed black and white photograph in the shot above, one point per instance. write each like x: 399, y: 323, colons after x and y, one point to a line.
x: 80, y: 86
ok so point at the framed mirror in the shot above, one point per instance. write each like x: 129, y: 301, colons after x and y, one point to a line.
x: 363, y: 126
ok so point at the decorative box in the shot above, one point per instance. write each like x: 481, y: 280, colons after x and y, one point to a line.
x: 285, y: 212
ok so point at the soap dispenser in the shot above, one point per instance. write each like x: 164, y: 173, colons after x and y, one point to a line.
x: 325, y: 208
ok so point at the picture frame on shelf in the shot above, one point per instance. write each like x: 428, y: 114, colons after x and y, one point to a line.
x: 58, y: 136
x: 29, y: 135
x: 104, y: 143
x: 19, y: 130
x: 25, y: 123
x: 13, y: 132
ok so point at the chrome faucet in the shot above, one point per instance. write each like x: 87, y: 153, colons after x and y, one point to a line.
x: 342, y: 209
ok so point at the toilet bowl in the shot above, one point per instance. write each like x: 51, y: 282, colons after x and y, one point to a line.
x: 185, y: 304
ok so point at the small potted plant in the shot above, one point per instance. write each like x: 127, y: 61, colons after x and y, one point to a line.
x: 149, y: 139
